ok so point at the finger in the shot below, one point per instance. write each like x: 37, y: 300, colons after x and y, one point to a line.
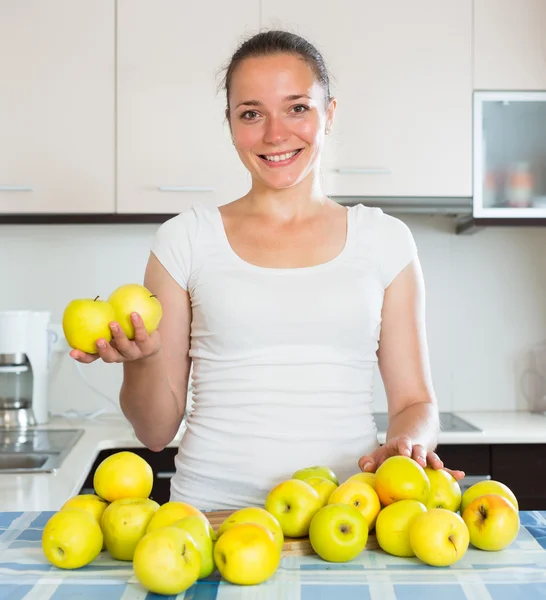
x: 107, y: 353
x: 419, y: 455
x: 141, y: 335
x: 433, y: 461
x: 402, y: 446
x: 120, y: 342
x: 370, y: 462
x: 458, y: 475
x: 366, y: 463
x: 83, y: 357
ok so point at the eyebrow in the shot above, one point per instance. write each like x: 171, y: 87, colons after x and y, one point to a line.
x: 286, y: 99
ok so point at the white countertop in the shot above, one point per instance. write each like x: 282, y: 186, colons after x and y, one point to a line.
x: 48, y: 491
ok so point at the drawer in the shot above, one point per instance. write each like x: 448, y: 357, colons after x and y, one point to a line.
x: 521, y: 467
x: 473, y: 459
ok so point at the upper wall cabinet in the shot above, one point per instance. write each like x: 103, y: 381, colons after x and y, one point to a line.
x: 174, y: 147
x: 510, y: 44
x: 57, y: 102
x: 403, y: 79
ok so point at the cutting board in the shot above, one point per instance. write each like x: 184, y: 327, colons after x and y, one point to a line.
x: 292, y: 546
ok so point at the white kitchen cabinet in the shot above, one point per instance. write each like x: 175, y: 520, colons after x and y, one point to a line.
x: 403, y: 79
x: 510, y: 45
x: 174, y: 147
x: 57, y: 103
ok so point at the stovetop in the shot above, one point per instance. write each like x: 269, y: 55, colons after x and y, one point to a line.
x: 448, y: 422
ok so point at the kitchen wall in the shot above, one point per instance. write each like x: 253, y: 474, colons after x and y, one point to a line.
x: 486, y: 302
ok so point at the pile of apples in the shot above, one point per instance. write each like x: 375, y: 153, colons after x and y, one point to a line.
x: 85, y: 320
x: 414, y: 511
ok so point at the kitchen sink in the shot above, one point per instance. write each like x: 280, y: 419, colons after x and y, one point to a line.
x: 35, y: 450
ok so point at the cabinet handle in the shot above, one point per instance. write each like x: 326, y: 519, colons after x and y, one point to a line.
x: 184, y: 188
x: 364, y: 171
x: 15, y: 188
x: 164, y: 474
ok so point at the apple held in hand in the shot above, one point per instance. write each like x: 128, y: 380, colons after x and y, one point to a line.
x: 293, y: 503
x: 487, y: 486
x: 133, y: 297
x: 492, y: 521
x: 167, y: 561
x: 259, y: 516
x: 360, y: 495
x: 316, y: 471
x: 445, y: 491
x: 439, y: 537
x: 401, y: 478
x: 393, y: 524
x: 338, y: 532
x: 85, y: 321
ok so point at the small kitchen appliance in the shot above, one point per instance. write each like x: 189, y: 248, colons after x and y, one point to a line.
x: 25, y: 344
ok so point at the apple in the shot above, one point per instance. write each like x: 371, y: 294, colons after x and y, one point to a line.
x: 360, y: 495
x: 338, y: 532
x: 316, y: 471
x: 401, y: 478
x: 368, y: 478
x: 492, y: 521
x: 124, y: 524
x: 487, y: 486
x: 439, y: 537
x: 86, y: 320
x: 392, y: 526
x: 133, y: 297
x: 246, y: 554
x: 445, y: 491
x: 293, y: 503
x: 173, y: 511
x: 204, y: 537
x: 92, y: 503
x: 167, y: 561
x: 324, y: 487
x: 258, y: 515
x: 71, y: 538
x: 123, y: 475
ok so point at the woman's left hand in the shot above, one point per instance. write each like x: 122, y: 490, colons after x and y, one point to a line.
x: 403, y: 446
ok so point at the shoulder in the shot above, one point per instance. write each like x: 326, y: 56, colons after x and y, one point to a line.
x: 382, y: 226
x: 188, y: 222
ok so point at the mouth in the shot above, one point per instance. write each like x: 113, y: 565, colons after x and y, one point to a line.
x: 280, y: 160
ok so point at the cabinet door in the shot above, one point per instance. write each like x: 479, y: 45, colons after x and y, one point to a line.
x: 402, y: 76
x: 510, y: 44
x: 174, y: 147
x: 57, y: 100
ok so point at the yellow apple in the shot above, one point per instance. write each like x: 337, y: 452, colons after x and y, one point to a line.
x: 72, y: 538
x: 401, y: 478
x: 167, y: 561
x: 487, y: 486
x: 173, y: 511
x: 133, y: 297
x: 85, y: 321
x: 293, y: 503
x: 123, y: 475
x: 260, y: 516
x: 368, y: 478
x: 445, y: 491
x: 316, y: 471
x: 246, y: 554
x: 492, y: 521
x: 338, y: 532
x: 360, y: 495
x: 92, y: 503
x: 439, y: 537
x: 124, y: 524
x: 392, y: 526
x: 204, y: 537
x: 324, y: 487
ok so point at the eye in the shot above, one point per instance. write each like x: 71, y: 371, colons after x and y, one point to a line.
x: 300, y: 109
x: 249, y: 115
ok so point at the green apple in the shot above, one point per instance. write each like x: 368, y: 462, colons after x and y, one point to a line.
x: 338, y: 532
x: 133, y: 297
x: 316, y: 471
x: 439, y: 537
x: 366, y: 477
x: 204, y: 538
x: 487, y: 486
x: 258, y: 515
x: 124, y: 523
x: 361, y: 495
x: 293, y: 503
x: 85, y: 321
x: 401, y: 478
x: 445, y: 491
x: 492, y: 521
x: 324, y: 487
x: 167, y: 561
x: 392, y: 526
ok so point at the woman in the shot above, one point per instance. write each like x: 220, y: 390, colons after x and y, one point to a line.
x: 284, y: 301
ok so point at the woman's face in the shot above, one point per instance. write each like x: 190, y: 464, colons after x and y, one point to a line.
x: 278, y: 117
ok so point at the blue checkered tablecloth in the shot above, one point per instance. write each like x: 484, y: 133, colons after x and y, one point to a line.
x: 516, y: 573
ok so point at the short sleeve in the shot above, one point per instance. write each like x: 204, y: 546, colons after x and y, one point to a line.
x: 174, y: 246
x: 397, y: 247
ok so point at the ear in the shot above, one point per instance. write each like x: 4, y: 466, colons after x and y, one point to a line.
x: 330, y: 113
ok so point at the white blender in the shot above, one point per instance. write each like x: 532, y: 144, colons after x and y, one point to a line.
x: 25, y: 343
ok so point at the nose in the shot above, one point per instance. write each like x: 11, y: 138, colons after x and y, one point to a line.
x: 276, y: 131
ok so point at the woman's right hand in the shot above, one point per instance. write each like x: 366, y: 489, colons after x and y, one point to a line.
x: 121, y: 349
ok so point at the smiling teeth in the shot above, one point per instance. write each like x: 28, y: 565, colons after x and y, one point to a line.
x: 279, y: 157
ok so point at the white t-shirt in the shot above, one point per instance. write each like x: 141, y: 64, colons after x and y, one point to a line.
x: 283, y: 359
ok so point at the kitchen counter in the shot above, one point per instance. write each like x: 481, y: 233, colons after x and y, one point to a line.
x: 48, y: 491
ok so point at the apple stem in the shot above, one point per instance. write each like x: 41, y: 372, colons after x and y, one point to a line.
x: 96, y: 299
x: 153, y: 296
